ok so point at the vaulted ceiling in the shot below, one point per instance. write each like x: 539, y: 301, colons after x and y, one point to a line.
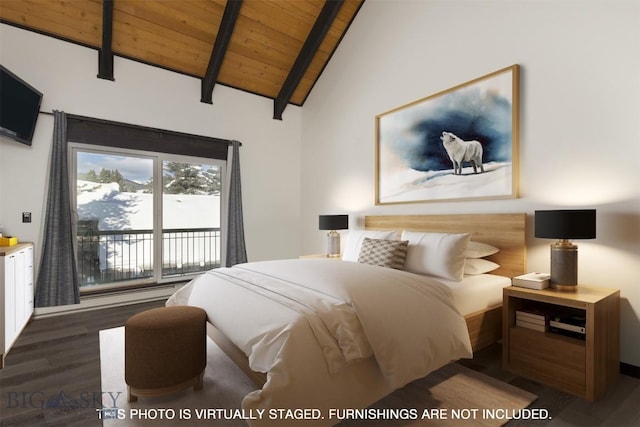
x: 273, y: 48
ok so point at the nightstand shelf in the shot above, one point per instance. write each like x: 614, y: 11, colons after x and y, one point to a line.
x: 584, y: 368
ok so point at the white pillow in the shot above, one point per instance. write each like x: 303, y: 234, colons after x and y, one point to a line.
x: 479, y: 266
x: 436, y: 254
x: 479, y: 250
x: 354, y: 242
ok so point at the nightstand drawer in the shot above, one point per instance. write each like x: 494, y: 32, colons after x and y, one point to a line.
x: 584, y: 367
x: 555, y: 360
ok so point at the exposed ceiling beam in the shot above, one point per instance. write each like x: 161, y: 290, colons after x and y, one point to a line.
x: 312, y: 43
x: 105, y: 53
x: 225, y: 31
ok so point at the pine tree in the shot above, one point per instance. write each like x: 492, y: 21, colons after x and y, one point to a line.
x: 117, y: 177
x: 187, y: 178
x: 92, y: 176
x: 112, y: 175
x: 105, y: 175
x: 213, y: 175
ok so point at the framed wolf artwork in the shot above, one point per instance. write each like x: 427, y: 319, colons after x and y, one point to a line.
x: 461, y: 143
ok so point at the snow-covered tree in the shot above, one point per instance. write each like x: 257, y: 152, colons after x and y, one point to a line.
x: 91, y: 176
x: 109, y: 175
x: 187, y: 178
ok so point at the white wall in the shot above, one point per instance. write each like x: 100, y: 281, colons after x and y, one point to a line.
x: 66, y: 74
x: 580, y: 109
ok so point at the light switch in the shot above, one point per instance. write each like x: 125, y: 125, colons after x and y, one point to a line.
x: 26, y: 216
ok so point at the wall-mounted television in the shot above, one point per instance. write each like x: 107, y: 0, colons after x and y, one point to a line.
x: 19, y: 107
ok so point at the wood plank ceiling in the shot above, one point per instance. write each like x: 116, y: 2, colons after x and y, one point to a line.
x: 273, y: 48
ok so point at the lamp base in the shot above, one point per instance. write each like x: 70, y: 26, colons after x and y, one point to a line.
x: 564, y: 266
x: 333, y: 244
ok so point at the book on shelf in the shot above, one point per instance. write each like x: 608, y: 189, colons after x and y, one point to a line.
x: 533, y: 317
x: 535, y: 313
x: 523, y: 323
x: 532, y: 280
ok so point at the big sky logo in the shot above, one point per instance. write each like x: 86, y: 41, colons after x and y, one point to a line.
x: 62, y: 399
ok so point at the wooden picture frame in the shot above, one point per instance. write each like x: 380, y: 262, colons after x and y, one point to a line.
x: 458, y: 144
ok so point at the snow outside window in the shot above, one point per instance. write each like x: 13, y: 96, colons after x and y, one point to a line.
x: 144, y: 217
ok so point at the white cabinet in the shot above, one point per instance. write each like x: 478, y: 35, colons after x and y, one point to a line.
x: 16, y: 293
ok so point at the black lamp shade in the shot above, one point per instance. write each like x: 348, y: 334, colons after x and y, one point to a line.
x: 566, y: 224
x: 333, y: 222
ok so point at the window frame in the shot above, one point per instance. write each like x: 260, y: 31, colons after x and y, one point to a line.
x: 157, y: 158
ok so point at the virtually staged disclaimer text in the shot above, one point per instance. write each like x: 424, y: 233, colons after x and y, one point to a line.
x: 317, y: 414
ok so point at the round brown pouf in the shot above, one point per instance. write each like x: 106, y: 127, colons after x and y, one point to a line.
x: 165, y: 351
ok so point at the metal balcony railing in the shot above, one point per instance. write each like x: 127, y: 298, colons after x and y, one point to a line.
x: 107, y: 256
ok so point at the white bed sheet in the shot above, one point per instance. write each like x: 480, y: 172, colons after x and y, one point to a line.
x: 420, y: 332
x: 477, y: 292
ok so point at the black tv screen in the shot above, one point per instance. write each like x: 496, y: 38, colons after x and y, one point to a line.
x: 19, y: 107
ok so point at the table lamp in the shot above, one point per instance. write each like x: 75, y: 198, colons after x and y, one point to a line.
x: 565, y: 225
x: 333, y: 223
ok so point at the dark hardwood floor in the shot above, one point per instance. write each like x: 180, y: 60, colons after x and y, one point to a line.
x: 52, y: 372
x: 52, y: 378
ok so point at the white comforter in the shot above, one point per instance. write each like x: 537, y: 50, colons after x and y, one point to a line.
x: 329, y: 334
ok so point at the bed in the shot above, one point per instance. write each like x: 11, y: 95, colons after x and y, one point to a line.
x: 311, y: 344
x: 505, y: 231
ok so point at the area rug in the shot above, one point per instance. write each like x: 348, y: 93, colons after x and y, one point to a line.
x: 451, y: 396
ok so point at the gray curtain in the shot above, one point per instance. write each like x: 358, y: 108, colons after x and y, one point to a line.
x: 236, y: 250
x: 58, y: 278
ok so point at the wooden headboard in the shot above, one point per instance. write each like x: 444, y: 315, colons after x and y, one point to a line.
x: 505, y: 231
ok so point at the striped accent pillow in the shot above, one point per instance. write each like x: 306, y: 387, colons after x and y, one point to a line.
x: 385, y: 253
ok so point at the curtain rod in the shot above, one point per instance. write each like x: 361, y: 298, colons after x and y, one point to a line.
x: 92, y: 119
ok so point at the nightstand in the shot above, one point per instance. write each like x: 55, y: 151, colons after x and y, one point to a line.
x: 582, y: 367
x: 319, y: 256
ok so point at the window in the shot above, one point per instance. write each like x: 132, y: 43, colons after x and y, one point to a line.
x: 190, y: 217
x: 135, y: 208
x: 148, y: 203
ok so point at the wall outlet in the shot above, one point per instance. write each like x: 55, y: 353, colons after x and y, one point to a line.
x: 26, y: 216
